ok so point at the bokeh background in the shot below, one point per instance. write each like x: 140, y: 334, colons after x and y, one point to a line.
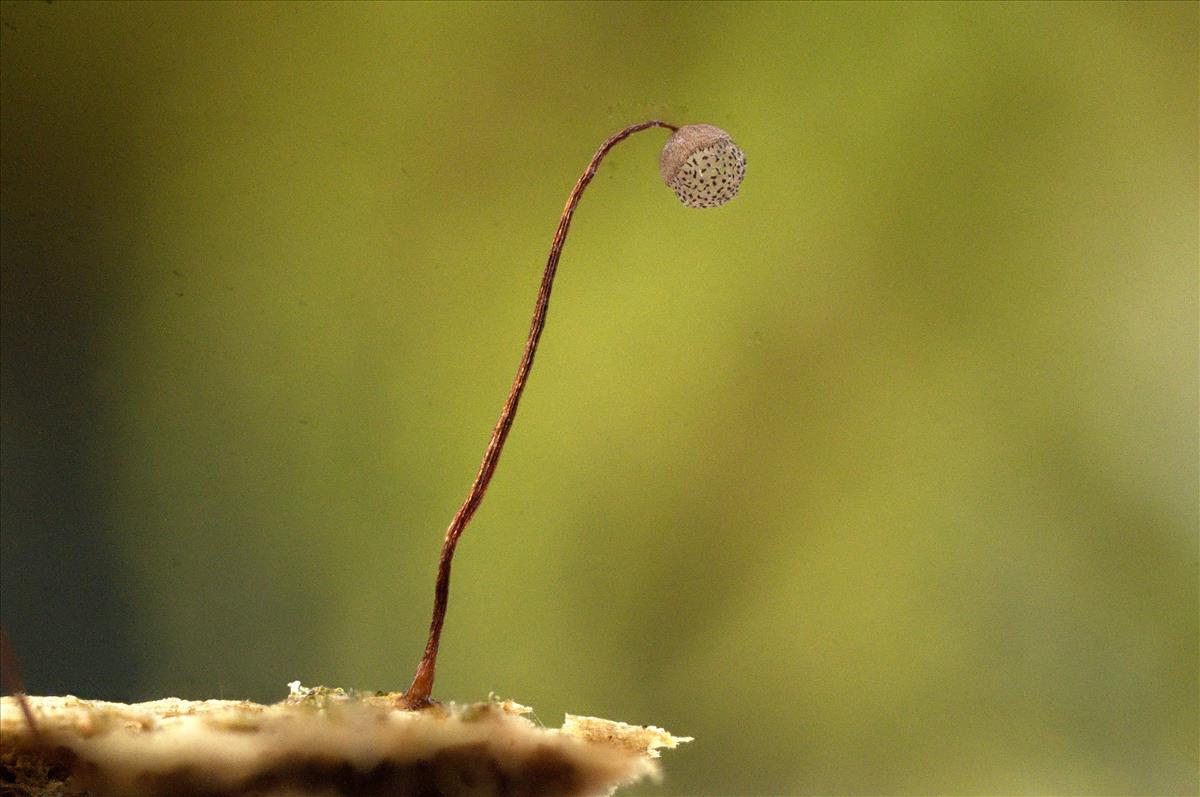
x: 881, y: 479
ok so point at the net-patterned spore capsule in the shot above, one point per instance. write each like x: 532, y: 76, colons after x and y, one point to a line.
x: 702, y: 165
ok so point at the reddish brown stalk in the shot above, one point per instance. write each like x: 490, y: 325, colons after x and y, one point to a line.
x: 418, y: 694
x: 12, y: 682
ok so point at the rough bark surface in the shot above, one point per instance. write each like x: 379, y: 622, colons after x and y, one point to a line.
x: 317, y: 742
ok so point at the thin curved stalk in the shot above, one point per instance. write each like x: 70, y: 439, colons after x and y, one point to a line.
x: 418, y: 694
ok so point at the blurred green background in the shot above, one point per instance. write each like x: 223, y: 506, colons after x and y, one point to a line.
x: 880, y: 479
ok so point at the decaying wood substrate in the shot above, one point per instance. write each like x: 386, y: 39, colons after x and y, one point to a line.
x: 317, y: 742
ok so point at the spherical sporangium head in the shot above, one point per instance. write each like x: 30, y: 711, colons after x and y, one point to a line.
x: 702, y: 165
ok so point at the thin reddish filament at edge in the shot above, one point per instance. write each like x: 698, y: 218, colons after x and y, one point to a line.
x: 12, y: 682
x: 418, y: 694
